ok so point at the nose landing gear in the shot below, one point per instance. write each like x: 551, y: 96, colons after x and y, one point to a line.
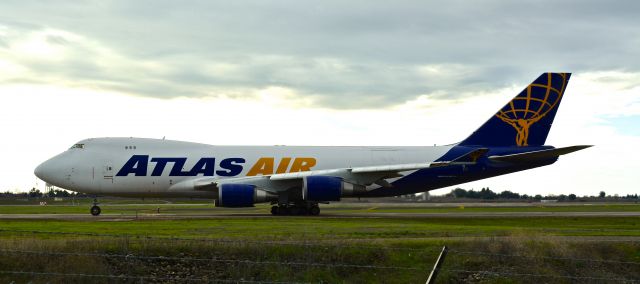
x: 95, y: 209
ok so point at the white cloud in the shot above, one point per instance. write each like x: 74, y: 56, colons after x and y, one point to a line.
x: 406, y: 73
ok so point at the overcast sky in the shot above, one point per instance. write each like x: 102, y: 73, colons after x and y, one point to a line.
x: 320, y: 73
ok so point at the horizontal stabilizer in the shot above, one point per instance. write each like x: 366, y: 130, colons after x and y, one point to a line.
x: 537, y: 155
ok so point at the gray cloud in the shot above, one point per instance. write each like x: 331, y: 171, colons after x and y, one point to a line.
x: 353, y: 54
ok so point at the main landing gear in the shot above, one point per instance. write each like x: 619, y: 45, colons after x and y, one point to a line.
x: 296, y: 209
x: 95, y: 209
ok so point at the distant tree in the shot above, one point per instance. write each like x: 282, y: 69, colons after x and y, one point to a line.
x: 572, y: 197
x: 9, y: 194
x: 459, y: 193
x: 473, y: 194
x: 602, y: 194
x: 562, y: 197
x: 61, y: 193
x: 509, y: 195
x: 34, y: 193
x: 486, y: 193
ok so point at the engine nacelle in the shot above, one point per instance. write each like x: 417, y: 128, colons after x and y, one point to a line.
x: 241, y: 195
x: 326, y: 188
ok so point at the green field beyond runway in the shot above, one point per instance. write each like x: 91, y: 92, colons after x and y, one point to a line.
x: 111, y: 207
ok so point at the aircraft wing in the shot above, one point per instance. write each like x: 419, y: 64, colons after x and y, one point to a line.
x: 282, y: 182
x: 365, y: 176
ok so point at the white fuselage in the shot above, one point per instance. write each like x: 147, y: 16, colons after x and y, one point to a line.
x: 139, y: 167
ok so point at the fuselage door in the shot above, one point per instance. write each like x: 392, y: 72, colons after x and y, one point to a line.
x: 107, y: 172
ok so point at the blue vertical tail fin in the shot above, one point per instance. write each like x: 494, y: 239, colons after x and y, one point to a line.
x: 527, y: 118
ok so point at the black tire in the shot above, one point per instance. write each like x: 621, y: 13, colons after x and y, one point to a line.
x: 95, y: 210
x: 274, y: 210
x: 282, y: 210
x: 314, y: 210
x: 295, y: 210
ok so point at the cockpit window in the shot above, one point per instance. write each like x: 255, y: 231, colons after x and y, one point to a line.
x: 77, y: 146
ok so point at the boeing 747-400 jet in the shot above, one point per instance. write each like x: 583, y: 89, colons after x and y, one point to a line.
x: 296, y: 179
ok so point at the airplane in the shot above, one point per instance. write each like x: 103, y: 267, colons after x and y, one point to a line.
x: 295, y: 179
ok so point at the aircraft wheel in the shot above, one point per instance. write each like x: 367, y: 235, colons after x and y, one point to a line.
x: 314, y: 210
x: 282, y: 210
x: 95, y: 210
x: 295, y: 210
x: 274, y: 210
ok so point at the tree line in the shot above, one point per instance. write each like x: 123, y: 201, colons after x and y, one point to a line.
x: 36, y: 193
x: 486, y: 193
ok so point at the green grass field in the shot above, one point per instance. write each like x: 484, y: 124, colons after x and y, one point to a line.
x: 323, y: 228
x: 323, y: 249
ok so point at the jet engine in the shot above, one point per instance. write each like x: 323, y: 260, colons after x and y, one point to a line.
x: 241, y: 195
x: 327, y: 188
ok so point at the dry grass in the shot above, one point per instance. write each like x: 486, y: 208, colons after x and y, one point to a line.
x: 543, y: 260
x: 303, y: 262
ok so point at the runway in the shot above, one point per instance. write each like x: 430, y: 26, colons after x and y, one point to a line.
x: 147, y: 216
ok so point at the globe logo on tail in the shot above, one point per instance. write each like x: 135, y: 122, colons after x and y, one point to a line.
x: 533, y: 104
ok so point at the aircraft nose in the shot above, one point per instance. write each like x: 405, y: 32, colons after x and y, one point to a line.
x: 44, y: 171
